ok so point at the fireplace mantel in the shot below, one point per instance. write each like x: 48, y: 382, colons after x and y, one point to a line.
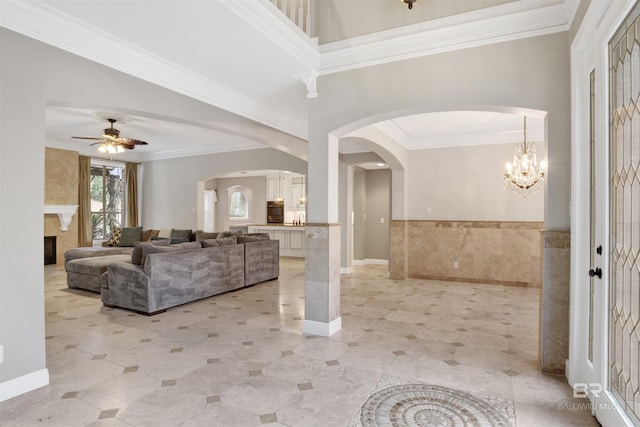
x: 64, y: 212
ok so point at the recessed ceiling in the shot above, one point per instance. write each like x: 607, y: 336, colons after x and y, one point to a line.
x: 455, y: 129
x: 461, y: 128
x: 166, y: 138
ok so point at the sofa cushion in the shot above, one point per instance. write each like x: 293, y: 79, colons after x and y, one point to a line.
x: 136, y: 255
x: 224, y: 234
x: 171, y: 241
x: 114, y: 240
x: 180, y: 234
x: 203, y: 235
x: 130, y: 235
x: 253, y: 237
x: 76, y: 253
x: 94, y: 266
x: 147, y: 235
x: 209, y: 243
x: 156, y: 249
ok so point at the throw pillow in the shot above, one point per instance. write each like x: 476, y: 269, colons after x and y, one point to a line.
x: 180, y: 234
x: 210, y: 243
x: 136, y: 255
x: 130, y: 235
x: 176, y: 241
x: 149, y: 234
x: 203, y: 235
x: 115, y: 238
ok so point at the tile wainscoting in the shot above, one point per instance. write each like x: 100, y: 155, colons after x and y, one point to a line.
x: 555, y: 251
x: 494, y: 252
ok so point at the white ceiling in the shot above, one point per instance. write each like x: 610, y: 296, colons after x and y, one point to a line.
x: 166, y: 138
x: 244, y: 57
x: 461, y: 128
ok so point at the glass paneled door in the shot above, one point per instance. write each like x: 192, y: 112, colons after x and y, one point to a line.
x: 624, y: 220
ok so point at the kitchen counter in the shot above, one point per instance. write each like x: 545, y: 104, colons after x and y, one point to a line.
x: 286, y: 224
x: 291, y: 237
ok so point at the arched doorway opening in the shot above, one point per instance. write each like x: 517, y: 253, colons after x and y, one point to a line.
x: 447, y: 169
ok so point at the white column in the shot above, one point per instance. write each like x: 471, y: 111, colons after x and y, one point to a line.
x: 322, y: 259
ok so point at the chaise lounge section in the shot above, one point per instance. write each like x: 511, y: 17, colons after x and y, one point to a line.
x: 86, y: 273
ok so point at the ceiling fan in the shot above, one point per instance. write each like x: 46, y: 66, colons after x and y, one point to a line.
x: 110, y: 142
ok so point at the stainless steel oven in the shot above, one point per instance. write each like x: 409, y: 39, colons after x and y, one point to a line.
x: 275, y: 212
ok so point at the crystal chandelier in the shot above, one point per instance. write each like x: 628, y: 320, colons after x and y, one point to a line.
x: 524, y: 172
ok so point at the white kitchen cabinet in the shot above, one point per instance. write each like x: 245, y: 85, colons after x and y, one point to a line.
x: 292, y: 238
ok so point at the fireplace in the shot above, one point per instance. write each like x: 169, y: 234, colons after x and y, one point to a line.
x: 50, y: 250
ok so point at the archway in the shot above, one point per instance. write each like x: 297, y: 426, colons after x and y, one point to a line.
x: 399, y: 158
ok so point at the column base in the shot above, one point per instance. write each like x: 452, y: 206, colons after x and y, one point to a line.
x: 320, y: 328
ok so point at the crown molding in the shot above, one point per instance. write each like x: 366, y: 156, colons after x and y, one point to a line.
x: 187, y: 152
x: 44, y: 23
x: 511, y: 21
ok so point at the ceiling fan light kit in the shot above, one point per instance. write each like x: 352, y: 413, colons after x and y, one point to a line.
x: 110, y: 142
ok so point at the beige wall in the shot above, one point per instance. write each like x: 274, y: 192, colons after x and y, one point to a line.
x: 169, y: 196
x: 516, y: 76
x: 506, y: 253
x: 22, y: 108
x: 257, y: 203
x: 61, y: 188
x: 466, y: 184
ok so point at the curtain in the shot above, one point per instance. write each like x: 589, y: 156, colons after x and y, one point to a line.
x: 131, y: 173
x: 85, y: 232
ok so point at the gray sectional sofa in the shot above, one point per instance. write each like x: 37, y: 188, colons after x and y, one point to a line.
x: 157, y: 276
x: 173, y: 278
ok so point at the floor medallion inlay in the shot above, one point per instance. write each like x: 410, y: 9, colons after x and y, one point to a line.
x: 399, y: 404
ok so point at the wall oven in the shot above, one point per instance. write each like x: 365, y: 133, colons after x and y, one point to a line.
x: 275, y: 212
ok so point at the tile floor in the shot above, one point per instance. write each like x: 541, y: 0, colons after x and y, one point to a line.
x: 240, y: 359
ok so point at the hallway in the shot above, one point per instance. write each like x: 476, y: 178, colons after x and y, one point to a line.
x: 241, y: 360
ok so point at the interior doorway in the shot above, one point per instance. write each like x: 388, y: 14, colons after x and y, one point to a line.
x: 371, y: 214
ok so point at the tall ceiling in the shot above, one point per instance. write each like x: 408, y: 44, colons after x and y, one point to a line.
x: 247, y: 58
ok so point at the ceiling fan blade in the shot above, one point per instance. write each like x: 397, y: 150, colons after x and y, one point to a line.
x: 127, y: 146
x: 132, y: 141
x: 111, y: 138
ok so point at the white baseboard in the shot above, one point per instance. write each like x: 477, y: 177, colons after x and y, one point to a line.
x: 23, y: 384
x: 370, y: 261
x: 346, y: 270
x: 322, y: 329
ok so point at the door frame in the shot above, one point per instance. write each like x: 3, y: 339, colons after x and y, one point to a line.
x: 589, y: 51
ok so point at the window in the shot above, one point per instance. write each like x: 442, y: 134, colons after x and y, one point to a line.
x: 107, y: 198
x: 238, y: 206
